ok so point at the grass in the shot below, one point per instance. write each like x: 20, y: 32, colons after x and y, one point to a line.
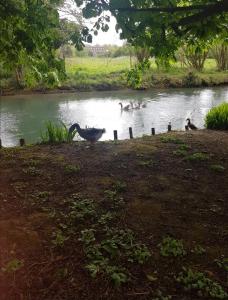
x: 87, y: 73
x: 56, y: 133
x: 217, y: 117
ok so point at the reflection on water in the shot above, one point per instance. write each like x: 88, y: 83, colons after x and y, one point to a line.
x: 25, y: 116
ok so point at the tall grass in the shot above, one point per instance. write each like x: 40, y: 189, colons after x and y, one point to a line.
x: 217, y: 117
x: 56, y: 133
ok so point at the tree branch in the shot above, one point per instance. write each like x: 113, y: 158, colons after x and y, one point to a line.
x: 221, y: 6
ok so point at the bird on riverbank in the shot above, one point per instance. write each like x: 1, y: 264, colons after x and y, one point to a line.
x: 90, y: 134
x: 126, y: 108
x: 190, y: 125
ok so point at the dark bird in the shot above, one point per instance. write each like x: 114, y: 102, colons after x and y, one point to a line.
x: 190, y: 125
x: 126, y: 108
x: 90, y: 134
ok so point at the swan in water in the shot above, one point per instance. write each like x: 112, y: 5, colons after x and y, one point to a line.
x: 127, y: 107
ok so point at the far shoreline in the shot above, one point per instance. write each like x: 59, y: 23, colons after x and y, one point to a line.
x: 98, y: 88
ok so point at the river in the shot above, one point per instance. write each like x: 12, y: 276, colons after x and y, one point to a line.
x: 24, y: 116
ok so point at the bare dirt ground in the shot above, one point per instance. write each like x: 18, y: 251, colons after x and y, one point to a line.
x: 138, y: 219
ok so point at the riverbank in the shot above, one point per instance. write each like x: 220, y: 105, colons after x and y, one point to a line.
x: 102, y: 74
x: 136, y: 219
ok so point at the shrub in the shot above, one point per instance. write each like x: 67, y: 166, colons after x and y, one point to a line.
x: 56, y: 133
x: 217, y: 117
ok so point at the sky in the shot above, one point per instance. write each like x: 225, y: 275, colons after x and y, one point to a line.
x: 103, y: 38
x: 110, y: 37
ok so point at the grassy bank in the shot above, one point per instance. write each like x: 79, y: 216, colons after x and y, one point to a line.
x: 110, y: 73
x: 138, y: 219
x: 94, y: 73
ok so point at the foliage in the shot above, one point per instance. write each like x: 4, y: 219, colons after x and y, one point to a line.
x: 134, y: 76
x: 222, y: 263
x: 217, y: 168
x: 191, y: 80
x: 28, y: 43
x: 56, y: 133
x: 171, y: 247
x: 161, y: 26
x: 198, y: 156
x: 13, y: 266
x: 198, y: 250
x: 217, y: 117
x: 220, y: 53
x: 194, y: 55
x: 171, y: 139
x: 205, y: 287
x: 59, y: 238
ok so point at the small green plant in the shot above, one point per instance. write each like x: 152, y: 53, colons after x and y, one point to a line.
x: 191, y: 80
x: 184, y: 147
x: 160, y: 296
x: 119, y: 186
x: 57, y: 133
x: 105, y: 218
x: 205, y: 287
x: 13, y: 266
x: 135, y: 75
x: 198, y: 156
x: 222, y: 263
x: 140, y: 254
x: 32, y: 162
x: 81, y: 209
x: 145, y: 163
x: 180, y: 152
x: 87, y: 236
x: 217, y: 117
x: 171, y: 139
x: 172, y: 247
x: 198, y: 250
x: 59, y: 238
x: 217, y: 168
x: 32, y: 171
x: 43, y: 195
x: 112, y: 200
x: 70, y: 169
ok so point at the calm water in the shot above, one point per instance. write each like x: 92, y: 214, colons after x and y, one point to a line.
x: 25, y: 116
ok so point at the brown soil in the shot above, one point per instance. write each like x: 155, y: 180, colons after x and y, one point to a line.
x: 164, y: 193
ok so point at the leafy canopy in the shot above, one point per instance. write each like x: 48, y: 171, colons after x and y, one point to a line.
x: 161, y: 25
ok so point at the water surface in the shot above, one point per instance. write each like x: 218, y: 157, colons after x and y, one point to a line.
x: 25, y: 115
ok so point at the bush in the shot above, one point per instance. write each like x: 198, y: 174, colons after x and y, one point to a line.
x: 56, y: 133
x: 217, y: 117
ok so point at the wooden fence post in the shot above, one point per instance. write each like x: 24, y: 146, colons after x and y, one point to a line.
x: 169, y: 127
x: 22, y: 142
x: 130, y: 133
x: 115, y: 135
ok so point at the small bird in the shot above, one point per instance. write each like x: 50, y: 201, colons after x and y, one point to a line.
x: 90, y: 134
x: 190, y: 125
x: 136, y: 106
x: 126, y: 108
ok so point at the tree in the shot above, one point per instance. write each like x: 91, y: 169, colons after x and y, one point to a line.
x: 194, y: 55
x: 31, y: 31
x: 162, y: 25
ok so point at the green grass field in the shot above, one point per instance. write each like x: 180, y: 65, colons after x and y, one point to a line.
x: 89, y: 72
